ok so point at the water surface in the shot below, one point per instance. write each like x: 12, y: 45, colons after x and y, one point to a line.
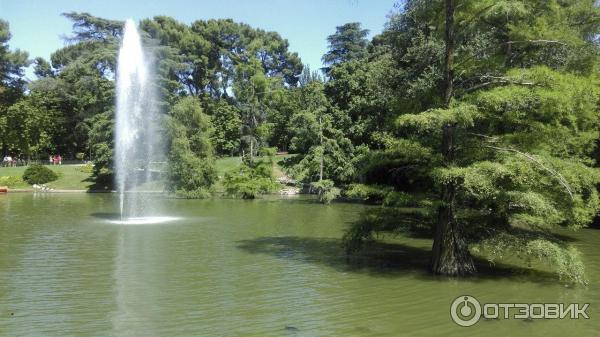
x: 271, y: 267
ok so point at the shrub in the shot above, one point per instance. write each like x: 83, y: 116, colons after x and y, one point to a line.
x: 326, y: 191
x: 87, y: 168
x: 200, y: 193
x: 11, y: 181
x: 80, y: 156
x: 39, y: 174
x: 250, y: 180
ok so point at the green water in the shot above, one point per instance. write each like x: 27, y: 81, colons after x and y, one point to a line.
x: 269, y: 267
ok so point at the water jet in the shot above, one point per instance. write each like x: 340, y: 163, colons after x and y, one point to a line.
x: 138, y: 144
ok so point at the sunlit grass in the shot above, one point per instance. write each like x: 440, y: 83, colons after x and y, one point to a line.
x: 73, y: 177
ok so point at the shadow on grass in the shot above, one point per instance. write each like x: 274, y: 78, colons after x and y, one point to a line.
x: 378, y: 259
x: 97, y: 184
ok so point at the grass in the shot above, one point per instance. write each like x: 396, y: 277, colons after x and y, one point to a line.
x: 72, y: 177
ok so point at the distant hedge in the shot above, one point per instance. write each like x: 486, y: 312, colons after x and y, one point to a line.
x: 39, y: 174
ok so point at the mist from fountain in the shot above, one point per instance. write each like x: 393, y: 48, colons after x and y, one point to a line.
x: 137, y: 129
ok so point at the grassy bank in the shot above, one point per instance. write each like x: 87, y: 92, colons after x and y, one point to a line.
x: 74, y: 177
x: 70, y: 177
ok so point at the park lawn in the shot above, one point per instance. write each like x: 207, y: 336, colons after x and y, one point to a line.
x: 70, y: 177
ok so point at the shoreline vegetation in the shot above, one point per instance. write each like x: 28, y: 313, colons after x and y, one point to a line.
x: 79, y: 178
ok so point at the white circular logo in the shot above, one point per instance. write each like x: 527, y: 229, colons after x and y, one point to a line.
x: 465, y: 310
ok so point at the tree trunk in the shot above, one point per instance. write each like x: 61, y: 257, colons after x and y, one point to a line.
x: 450, y: 253
x: 251, y: 148
x: 322, y: 150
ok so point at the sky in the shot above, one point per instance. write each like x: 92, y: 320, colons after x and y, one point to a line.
x: 38, y: 27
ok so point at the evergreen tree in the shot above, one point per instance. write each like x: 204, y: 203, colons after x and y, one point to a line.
x: 480, y: 158
x: 191, y: 171
x: 348, y: 43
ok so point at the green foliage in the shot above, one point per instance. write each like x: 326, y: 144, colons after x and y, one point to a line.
x: 326, y: 191
x: 226, y: 121
x: 348, y: 43
x: 39, y: 174
x: 211, y: 52
x: 251, y: 179
x: 11, y: 181
x: 361, y: 93
x: 12, y: 67
x: 101, y: 139
x: 564, y: 259
x: 28, y: 128
x: 524, y: 122
x: 191, y: 169
x: 12, y: 85
x: 318, y: 140
x: 199, y: 193
x: 87, y: 168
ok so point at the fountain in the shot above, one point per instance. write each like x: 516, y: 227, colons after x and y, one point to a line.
x: 137, y: 131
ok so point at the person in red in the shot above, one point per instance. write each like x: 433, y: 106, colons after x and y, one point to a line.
x: 55, y: 160
x: 59, y: 160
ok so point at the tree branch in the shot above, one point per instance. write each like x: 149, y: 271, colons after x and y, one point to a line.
x: 536, y: 42
x: 498, y: 80
x: 553, y: 172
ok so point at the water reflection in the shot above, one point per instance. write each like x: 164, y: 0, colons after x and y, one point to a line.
x: 133, y: 289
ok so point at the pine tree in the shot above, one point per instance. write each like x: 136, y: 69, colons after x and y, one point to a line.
x: 481, y: 162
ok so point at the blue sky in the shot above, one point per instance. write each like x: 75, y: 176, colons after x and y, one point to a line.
x: 37, y: 26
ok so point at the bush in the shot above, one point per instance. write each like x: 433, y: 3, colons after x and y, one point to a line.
x: 200, y: 193
x: 250, y: 180
x: 87, y: 168
x: 326, y: 191
x: 11, y: 181
x: 38, y: 174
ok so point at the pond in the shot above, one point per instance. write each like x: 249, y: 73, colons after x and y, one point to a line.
x: 267, y: 267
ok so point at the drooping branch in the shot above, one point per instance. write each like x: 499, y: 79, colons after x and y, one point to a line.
x: 492, y: 139
x: 536, y: 42
x: 498, y: 80
x: 561, y: 179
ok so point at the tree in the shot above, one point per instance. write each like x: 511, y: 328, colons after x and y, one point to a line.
x: 210, y: 51
x: 29, y: 127
x: 476, y: 152
x: 324, y: 151
x: 362, y: 92
x: 348, y: 43
x: 251, y: 88
x: 253, y: 177
x: 308, y: 76
x: 80, y: 79
x: 227, y: 125
x: 191, y: 171
x: 12, y: 82
x: 12, y: 63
